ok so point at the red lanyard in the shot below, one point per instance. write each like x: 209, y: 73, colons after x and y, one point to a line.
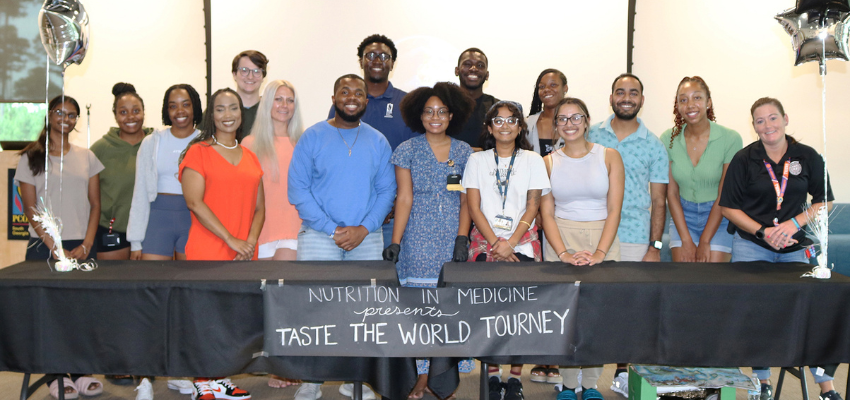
x: 780, y: 191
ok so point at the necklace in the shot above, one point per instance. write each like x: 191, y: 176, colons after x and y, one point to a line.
x: 226, y: 147
x: 346, y: 143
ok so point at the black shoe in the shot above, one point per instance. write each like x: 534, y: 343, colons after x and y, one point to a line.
x: 766, y: 392
x: 830, y: 395
x: 513, y: 390
x: 495, y: 388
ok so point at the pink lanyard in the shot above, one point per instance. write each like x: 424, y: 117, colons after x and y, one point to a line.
x: 780, y: 191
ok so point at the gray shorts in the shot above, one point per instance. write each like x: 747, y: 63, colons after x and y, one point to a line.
x: 168, y: 226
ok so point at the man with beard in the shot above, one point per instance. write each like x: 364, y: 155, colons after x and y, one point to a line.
x: 644, y: 204
x: 377, y: 55
x: 341, y: 181
x: 472, y: 72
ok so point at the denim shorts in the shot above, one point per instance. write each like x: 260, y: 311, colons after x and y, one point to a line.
x: 168, y: 226
x: 745, y: 250
x: 696, y: 216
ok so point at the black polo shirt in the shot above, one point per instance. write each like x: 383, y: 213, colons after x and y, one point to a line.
x: 748, y: 188
x: 471, y: 132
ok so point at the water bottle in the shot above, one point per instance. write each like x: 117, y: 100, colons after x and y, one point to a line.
x: 754, y: 393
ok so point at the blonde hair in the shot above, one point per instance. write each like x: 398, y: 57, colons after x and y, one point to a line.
x: 263, y: 129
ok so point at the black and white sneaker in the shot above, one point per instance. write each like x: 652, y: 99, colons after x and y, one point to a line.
x: 830, y: 395
x: 766, y: 392
x: 513, y: 390
x: 495, y: 388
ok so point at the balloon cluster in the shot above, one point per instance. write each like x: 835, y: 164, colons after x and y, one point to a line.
x: 64, y: 30
x: 819, y: 30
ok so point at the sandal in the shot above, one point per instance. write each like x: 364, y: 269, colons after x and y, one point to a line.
x: 553, y: 375
x: 84, y: 384
x: 68, y: 383
x: 539, y: 374
x: 280, y: 383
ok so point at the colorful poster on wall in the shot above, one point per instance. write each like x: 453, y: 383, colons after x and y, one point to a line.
x: 17, y: 221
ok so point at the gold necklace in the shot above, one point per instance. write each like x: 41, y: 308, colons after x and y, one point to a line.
x: 346, y: 143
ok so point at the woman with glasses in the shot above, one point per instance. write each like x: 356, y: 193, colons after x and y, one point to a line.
x: 431, y: 219
x: 504, y: 184
x: 73, y: 195
x: 582, y: 213
x: 550, y: 88
x: 700, y: 150
x: 117, y: 151
x: 159, y: 218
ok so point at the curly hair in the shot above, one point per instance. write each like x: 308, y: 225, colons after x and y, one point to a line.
x: 377, y: 38
x: 678, y: 120
x: 489, y: 141
x: 197, y: 111
x: 536, y: 103
x: 456, y: 100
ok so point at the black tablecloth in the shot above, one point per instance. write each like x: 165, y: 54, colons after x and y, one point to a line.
x: 690, y: 314
x: 172, y: 319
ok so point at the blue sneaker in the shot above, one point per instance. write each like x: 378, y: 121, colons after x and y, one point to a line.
x: 567, y: 394
x: 591, y: 394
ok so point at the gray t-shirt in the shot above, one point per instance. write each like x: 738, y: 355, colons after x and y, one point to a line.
x: 69, y: 202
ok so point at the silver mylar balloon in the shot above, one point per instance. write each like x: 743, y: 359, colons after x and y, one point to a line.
x: 64, y: 29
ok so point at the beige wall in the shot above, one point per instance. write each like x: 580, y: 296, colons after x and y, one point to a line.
x: 743, y: 54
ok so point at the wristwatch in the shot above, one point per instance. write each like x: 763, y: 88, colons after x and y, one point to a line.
x: 760, y: 233
x: 656, y: 244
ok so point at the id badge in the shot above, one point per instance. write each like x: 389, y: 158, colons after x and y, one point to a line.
x: 111, y: 240
x: 503, y: 222
x: 453, y: 183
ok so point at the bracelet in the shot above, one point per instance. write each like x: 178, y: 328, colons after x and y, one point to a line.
x: 85, y: 250
x: 603, y: 251
x: 523, y: 222
x: 559, y: 254
x: 797, y: 224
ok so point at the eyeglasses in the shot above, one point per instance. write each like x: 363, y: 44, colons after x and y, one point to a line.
x: 61, y: 114
x: 372, y: 55
x: 245, y: 71
x: 576, y: 119
x: 442, y: 113
x: 499, y: 121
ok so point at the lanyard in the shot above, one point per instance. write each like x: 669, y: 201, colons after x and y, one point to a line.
x: 507, y: 177
x: 780, y: 191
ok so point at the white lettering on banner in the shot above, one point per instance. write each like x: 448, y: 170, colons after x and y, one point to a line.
x: 354, y: 294
x: 484, y: 295
x: 434, y: 334
x: 523, y: 323
x: 423, y: 311
x: 303, y: 337
x: 371, y: 332
x: 428, y: 295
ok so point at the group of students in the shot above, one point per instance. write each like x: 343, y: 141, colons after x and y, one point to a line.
x: 204, y: 189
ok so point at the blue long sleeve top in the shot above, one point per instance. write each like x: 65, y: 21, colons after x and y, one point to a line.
x: 331, y: 188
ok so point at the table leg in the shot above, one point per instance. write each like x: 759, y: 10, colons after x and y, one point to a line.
x: 27, y: 391
x: 357, y: 391
x: 484, y: 382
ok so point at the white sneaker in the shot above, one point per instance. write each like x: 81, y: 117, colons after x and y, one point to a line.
x: 309, y: 391
x: 145, y: 390
x: 621, y: 384
x: 579, y: 388
x: 184, y: 386
x: 347, y: 389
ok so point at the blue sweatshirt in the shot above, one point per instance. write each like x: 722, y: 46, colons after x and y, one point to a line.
x: 331, y: 188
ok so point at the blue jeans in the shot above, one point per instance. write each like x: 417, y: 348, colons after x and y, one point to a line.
x: 696, y: 216
x: 388, y: 232
x: 745, y: 250
x: 318, y: 246
x: 764, y: 374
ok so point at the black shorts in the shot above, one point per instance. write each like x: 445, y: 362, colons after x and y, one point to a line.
x: 117, y: 241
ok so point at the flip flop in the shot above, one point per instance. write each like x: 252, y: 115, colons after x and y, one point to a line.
x: 539, y: 374
x: 553, y: 375
x: 68, y: 383
x: 84, y: 382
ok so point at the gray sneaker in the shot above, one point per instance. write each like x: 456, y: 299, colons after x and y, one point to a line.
x: 347, y: 389
x: 621, y: 384
x: 309, y: 391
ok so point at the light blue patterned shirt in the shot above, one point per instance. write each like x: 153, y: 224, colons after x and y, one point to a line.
x: 645, y: 160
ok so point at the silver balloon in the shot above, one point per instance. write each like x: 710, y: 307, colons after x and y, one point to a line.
x: 64, y: 29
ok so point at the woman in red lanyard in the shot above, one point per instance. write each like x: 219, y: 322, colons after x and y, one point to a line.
x: 764, y: 197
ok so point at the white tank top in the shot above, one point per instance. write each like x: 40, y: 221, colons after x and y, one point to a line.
x: 580, y: 185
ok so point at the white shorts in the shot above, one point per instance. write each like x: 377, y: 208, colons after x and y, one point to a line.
x: 267, y: 250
